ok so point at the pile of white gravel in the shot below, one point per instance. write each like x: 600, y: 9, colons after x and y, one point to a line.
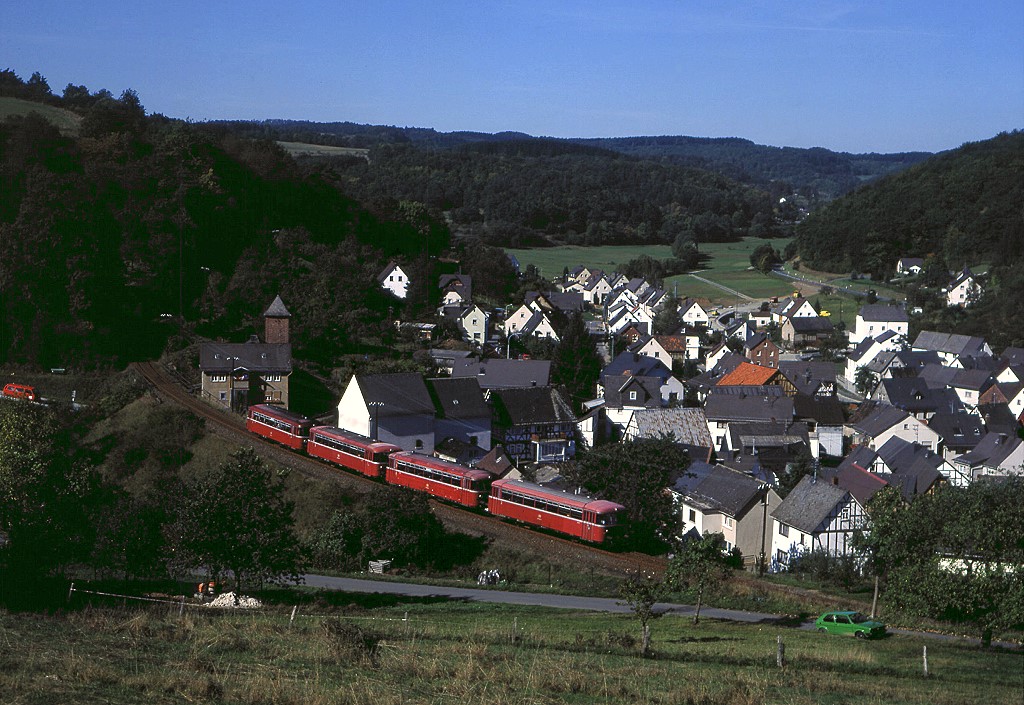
x: 229, y: 600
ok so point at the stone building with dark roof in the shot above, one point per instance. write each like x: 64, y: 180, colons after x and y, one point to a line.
x: 237, y: 375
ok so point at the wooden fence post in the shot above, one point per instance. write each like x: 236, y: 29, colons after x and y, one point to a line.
x: 780, y: 653
x: 181, y: 607
x: 292, y: 618
x: 71, y: 590
x: 924, y: 657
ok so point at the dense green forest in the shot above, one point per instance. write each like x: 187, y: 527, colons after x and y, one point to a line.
x: 964, y: 206
x: 111, y: 233
x: 818, y: 174
x: 533, y: 192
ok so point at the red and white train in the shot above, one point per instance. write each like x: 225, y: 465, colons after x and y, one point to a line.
x: 576, y: 515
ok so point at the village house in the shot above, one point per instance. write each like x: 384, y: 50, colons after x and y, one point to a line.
x: 394, y: 280
x: 815, y: 516
x: 687, y: 426
x: 874, y: 424
x: 535, y: 424
x: 237, y: 375
x: 394, y: 408
x: 716, y: 499
x: 909, y: 266
x: 760, y: 350
x: 456, y: 289
x: 875, y: 319
x: 963, y: 290
x: 499, y: 373
x: 693, y: 313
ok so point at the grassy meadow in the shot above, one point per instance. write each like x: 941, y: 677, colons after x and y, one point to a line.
x: 726, y: 263
x: 447, y: 652
x: 65, y: 120
x: 304, y: 149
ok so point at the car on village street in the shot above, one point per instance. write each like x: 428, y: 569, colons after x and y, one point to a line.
x: 847, y: 622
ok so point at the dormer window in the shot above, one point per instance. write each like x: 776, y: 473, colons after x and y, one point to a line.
x: 632, y: 396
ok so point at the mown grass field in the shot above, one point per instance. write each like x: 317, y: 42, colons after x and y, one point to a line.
x: 726, y: 263
x: 65, y: 120
x: 304, y: 149
x: 469, y: 653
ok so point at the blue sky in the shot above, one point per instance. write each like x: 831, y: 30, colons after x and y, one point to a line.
x: 852, y: 76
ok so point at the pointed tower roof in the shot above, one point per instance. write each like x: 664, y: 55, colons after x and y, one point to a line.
x: 277, y: 309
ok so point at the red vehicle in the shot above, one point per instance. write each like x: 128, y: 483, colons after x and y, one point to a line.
x: 577, y: 515
x: 20, y: 391
x: 440, y: 478
x: 280, y: 425
x: 349, y: 450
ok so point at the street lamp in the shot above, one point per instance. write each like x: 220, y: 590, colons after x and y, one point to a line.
x: 376, y: 406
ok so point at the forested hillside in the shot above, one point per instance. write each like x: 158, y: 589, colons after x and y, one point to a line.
x: 533, y: 192
x: 818, y: 174
x: 110, y: 234
x: 963, y: 207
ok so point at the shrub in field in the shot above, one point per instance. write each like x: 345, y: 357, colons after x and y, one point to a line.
x: 348, y: 642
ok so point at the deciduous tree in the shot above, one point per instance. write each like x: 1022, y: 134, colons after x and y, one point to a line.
x: 700, y: 565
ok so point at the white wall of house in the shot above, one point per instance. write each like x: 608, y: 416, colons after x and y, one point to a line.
x: 872, y: 329
x: 695, y: 315
x: 397, y: 282
x: 835, y: 535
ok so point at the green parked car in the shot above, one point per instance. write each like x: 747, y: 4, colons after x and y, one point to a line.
x: 849, y: 623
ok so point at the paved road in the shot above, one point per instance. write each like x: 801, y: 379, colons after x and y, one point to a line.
x: 722, y: 287
x: 779, y: 272
x: 571, y: 602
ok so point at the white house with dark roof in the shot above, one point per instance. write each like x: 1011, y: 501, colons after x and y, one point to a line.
x: 964, y: 290
x: 687, y: 425
x: 950, y: 346
x: 997, y: 454
x: 394, y: 408
x: 726, y: 501
x: 876, y: 319
x: 693, y: 314
x: 877, y: 423
x: 460, y: 411
x: 394, y: 280
x: 908, y: 266
x: 868, y: 349
x: 815, y: 516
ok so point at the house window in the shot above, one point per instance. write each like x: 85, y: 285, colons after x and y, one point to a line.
x: 218, y: 378
x: 801, y: 539
x: 223, y: 396
x: 846, y: 513
x: 632, y: 396
x: 419, y: 444
x: 391, y: 278
x: 728, y: 521
x: 783, y: 529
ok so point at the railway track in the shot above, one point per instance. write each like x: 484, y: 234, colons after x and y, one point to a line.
x: 550, y: 548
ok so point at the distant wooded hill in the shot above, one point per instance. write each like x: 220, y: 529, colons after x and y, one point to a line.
x: 962, y: 206
x: 818, y: 174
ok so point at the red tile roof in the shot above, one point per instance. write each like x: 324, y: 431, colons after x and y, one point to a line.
x: 747, y: 373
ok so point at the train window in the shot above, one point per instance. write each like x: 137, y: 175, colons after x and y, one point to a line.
x: 380, y: 457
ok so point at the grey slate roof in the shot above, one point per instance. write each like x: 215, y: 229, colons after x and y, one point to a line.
x: 402, y: 393
x: 730, y: 407
x: 915, y: 469
x: 938, y: 376
x: 951, y: 343
x: 884, y: 313
x: 261, y: 358
x: 504, y: 374
x: 806, y: 325
x: 532, y: 405
x: 880, y: 418
x: 991, y: 450
x: 458, y: 398
x: 960, y: 431
x: 637, y: 365
x: 618, y: 387
x: 826, y: 411
x: 809, y: 504
x: 688, y: 425
x: 725, y: 490
x: 975, y: 380
x: 277, y: 309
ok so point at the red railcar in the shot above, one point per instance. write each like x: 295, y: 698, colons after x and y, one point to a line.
x: 350, y: 450
x: 577, y: 515
x: 279, y: 425
x: 452, y: 481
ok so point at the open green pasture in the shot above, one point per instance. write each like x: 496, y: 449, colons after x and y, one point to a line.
x: 439, y: 652
x: 304, y: 149
x: 725, y: 263
x: 65, y: 120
